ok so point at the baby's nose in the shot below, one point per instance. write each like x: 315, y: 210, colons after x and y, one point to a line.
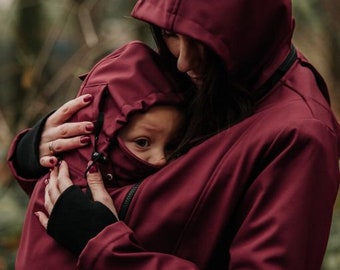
x: 158, y: 160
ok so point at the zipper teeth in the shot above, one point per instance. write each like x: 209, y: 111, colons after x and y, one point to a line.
x: 127, y: 201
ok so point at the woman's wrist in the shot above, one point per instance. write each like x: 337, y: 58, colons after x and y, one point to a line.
x: 75, y: 219
x: 26, y: 158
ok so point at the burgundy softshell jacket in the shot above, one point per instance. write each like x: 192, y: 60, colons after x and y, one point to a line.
x: 130, y: 80
x: 258, y: 195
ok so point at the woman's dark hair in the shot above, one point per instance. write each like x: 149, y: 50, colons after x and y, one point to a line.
x: 216, y: 105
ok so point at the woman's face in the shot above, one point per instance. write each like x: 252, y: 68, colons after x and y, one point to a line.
x: 189, y: 54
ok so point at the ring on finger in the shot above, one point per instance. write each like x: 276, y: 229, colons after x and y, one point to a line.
x: 50, y: 147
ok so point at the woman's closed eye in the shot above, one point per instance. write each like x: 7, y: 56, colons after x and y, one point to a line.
x: 168, y: 34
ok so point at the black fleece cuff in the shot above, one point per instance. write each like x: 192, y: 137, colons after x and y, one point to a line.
x: 75, y: 219
x: 26, y: 157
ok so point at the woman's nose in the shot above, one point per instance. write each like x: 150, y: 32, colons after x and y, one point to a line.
x: 187, y: 55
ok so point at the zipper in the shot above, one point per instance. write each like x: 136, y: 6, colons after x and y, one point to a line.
x: 128, y: 198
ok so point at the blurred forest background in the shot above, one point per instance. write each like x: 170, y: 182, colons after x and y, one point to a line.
x: 46, y: 44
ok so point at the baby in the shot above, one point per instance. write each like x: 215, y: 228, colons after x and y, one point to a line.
x: 138, y: 113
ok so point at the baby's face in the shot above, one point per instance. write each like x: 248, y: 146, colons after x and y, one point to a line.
x: 152, y: 135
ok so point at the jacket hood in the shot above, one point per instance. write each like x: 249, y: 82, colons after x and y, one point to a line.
x: 129, y: 80
x: 252, y: 37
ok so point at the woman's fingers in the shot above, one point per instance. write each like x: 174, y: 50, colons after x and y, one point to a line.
x: 52, y: 191
x: 64, y: 180
x: 48, y: 161
x: 47, y: 158
x: 43, y: 219
x: 58, y: 136
x: 98, y: 190
x: 68, y: 109
x: 58, y: 182
x: 67, y: 130
x: 65, y: 137
x: 48, y: 204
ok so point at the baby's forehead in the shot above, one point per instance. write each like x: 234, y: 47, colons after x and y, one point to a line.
x: 158, y: 110
x: 157, y: 117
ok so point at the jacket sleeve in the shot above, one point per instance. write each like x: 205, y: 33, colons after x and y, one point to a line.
x: 75, y: 222
x: 116, y: 248
x: 285, y: 216
x: 75, y: 219
x: 23, y: 156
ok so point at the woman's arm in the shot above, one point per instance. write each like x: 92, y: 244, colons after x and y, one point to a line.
x: 30, y: 153
x: 105, y: 243
x: 284, y: 219
x: 74, y: 217
x: 25, y: 152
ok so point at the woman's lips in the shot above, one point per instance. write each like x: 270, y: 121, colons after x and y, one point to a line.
x: 194, y: 77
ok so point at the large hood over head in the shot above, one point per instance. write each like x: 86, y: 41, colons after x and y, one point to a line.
x: 247, y: 34
x: 131, y: 79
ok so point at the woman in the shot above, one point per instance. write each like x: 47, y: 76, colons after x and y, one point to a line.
x: 256, y: 184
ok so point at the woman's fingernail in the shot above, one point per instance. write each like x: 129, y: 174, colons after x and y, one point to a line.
x: 36, y: 213
x: 88, y: 98
x: 93, y: 169
x: 89, y: 127
x: 85, y: 139
x: 46, y: 181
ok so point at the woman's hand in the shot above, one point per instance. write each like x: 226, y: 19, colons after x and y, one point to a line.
x: 59, y: 136
x: 73, y: 217
x: 60, y: 180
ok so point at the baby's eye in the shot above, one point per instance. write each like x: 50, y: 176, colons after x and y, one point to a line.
x: 142, y: 142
